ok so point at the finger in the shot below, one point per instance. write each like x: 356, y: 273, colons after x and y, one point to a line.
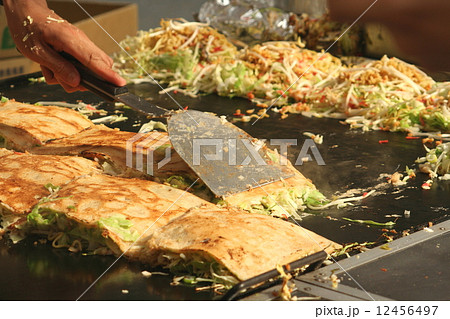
x: 60, y: 68
x: 50, y: 79
x: 101, y: 65
x: 85, y: 51
x: 68, y: 88
x: 48, y: 75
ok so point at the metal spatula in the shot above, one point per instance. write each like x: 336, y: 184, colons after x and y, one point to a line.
x: 227, y: 159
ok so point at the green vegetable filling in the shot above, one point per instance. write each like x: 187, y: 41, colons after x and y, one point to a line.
x: 287, y: 202
x: 64, y: 231
x: 120, y: 226
x: 195, y: 269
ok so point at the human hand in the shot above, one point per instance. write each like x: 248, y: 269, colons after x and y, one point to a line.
x: 421, y: 28
x: 39, y: 34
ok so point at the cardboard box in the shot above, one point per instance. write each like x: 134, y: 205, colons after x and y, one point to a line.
x: 117, y: 19
x: 16, y: 66
x: 7, y: 45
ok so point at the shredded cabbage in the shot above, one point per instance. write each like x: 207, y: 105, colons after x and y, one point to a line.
x: 386, y: 94
x: 287, y: 202
x: 436, y: 163
x: 196, y: 268
x: 151, y: 126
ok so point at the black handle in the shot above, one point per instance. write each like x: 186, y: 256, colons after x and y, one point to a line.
x: 94, y: 83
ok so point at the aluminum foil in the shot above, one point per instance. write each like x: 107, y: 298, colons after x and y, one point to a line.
x: 249, y: 21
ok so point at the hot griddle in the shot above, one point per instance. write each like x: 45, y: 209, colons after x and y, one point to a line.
x: 395, y: 271
x: 354, y: 160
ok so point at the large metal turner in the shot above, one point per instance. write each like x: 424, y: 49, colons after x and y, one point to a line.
x: 227, y: 159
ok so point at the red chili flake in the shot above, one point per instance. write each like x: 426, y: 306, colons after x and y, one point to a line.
x: 217, y: 49
x: 422, y: 121
x: 281, y: 93
x: 383, y: 269
x: 250, y: 95
x: 89, y: 107
x: 363, y: 103
x: 322, y: 99
x: 18, y: 153
x: 238, y: 113
x: 175, y: 91
x: 426, y: 185
x: 185, y: 108
x: 365, y: 194
x: 412, y: 137
x: 284, y: 216
x: 383, y: 141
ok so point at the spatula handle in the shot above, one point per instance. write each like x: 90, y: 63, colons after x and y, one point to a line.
x: 93, y: 82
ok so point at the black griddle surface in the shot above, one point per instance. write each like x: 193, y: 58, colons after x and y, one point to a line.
x: 415, y: 273
x: 354, y: 160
